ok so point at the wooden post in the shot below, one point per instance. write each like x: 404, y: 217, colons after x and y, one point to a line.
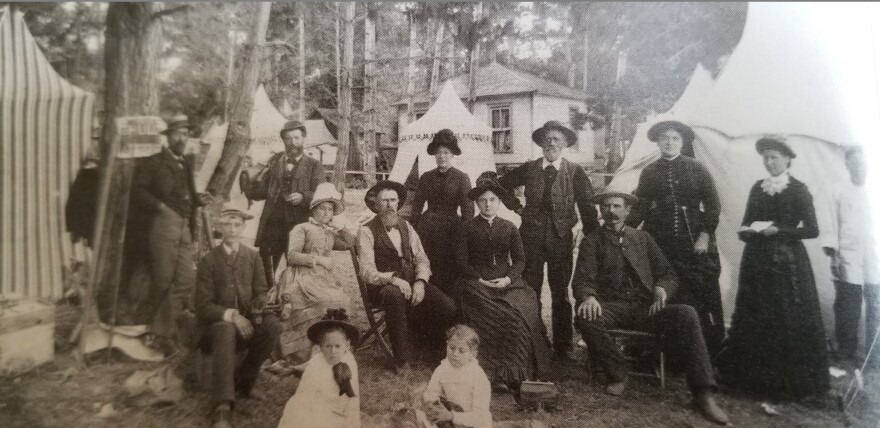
x: 411, y: 68
x: 370, y: 149
x: 435, y: 61
x: 345, y: 99
x: 338, y: 56
x: 586, y: 60
x: 302, y: 67
x: 474, y: 61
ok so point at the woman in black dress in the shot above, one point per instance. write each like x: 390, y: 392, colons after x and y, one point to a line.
x: 445, y: 189
x: 776, y: 344
x: 496, y: 301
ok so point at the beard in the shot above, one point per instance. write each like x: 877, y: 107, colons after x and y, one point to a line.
x: 389, y: 216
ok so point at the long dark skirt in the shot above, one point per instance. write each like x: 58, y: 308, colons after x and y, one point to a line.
x: 777, y: 341
x: 437, y: 233
x: 513, y: 340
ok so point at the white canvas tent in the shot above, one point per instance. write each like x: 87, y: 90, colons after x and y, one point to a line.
x: 45, y: 131
x: 474, y: 139
x: 783, y: 78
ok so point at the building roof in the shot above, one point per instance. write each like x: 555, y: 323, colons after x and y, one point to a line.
x: 496, y: 79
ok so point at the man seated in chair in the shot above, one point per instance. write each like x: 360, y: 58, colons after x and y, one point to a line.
x: 622, y: 280
x: 396, y: 270
x: 230, y: 296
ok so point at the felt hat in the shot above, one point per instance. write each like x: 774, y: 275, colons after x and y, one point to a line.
x: 628, y: 197
x: 334, y: 319
x: 538, y: 134
x: 236, y: 213
x: 293, y: 124
x: 444, y: 138
x: 371, y: 198
x: 655, y: 132
x: 774, y: 143
x: 177, y: 122
x: 486, y: 183
x: 327, y: 192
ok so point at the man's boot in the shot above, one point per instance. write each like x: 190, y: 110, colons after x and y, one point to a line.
x: 709, y: 408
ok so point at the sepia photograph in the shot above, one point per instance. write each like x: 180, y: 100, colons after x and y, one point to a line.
x: 439, y: 214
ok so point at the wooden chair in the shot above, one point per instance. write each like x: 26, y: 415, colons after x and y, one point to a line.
x: 625, y: 338
x: 375, y: 313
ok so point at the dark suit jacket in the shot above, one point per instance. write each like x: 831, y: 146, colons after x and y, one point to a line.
x: 640, y: 251
x: 308, y: 174
x: 162, y: 179
x: 216, y: 291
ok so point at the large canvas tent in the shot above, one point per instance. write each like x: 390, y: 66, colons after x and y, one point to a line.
x: 474, y: 139
x: 783, y: 78
x: 45, y: 130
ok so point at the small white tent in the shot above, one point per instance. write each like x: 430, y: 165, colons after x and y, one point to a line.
x: 783, y: 78
x: 474, y: 139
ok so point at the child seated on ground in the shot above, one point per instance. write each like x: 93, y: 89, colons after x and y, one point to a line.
x: 328, y: 394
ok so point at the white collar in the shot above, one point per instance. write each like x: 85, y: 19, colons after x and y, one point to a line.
x: 773, y: 185
x: 670, y: 160
x: 229, y: 250
x: 489, y: 219
x: 556, y: 164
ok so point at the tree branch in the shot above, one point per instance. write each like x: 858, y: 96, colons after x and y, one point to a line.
x: 280, y: 43
x: 167, y: 12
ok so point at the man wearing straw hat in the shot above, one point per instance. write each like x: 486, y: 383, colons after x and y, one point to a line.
x: 164, y: 196
x: 287, y: 187
x: 623, y: 280
x: 230, y: 296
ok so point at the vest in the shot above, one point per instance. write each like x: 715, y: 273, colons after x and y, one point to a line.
x: 387, y: 259
x: 561, y: 195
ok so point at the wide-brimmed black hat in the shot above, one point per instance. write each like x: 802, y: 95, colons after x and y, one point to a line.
x: 373, y: 194
x: 774, y: 143
x: 486, y: 184
x: 687, y: 134
x: 291, y: 125
x: 538, y: 134
x: 628, y: 197
x: 177, y: 122
x: 444, y: 138
x: 335, y: 318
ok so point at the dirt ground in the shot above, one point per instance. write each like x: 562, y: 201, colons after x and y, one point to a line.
x: 58, y: 395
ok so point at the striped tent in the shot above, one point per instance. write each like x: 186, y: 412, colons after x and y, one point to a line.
x: 45, y: 129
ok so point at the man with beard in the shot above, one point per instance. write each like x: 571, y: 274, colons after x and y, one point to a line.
x: 622, y: 280
x: 287, y: 188
x: 553, y: 186
x: 164, y: 195
x: 396, y: 269
x: 680, y: 208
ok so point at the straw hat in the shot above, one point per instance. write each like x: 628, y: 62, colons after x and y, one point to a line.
x: 177, y: 122
x: 628, y: 197
x: 327, y: 192
x: 236, y: 213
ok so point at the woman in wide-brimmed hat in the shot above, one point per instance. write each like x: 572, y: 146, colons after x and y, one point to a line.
x: 445, y: 190
x: 776, y: 344
x: 308, y: 284
x: 495, y: 299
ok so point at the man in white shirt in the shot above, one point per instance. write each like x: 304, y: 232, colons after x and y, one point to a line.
x: 396, y: 269
x: 851, y: 247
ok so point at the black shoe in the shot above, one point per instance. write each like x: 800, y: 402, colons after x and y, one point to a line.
x: 566, y: 356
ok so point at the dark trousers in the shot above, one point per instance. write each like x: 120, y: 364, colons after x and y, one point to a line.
x: 271, y: 255
x: 172, y: 272
x: 222, y: 340
x: 543, y: 245
x: 429, y: 320
x: 680, y: 335
x: 848, y: 314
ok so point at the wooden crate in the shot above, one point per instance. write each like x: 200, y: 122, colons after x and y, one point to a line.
x: 27, y: 335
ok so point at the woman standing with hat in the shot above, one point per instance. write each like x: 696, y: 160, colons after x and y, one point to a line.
x: 496, y: 301
x: 776, y: 344
x: 445, y: 189
x: 308, y: 284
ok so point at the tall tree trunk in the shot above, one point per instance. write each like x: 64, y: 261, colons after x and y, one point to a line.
x: 345, y: 99
x: 131, y: 61
x: 585, y: 65
x: 302, y: 66
x: 238, y: 134
x: 411, y: 69
x: 370, y: 149
x: 336, y: 21
x: 435, y: 61
x: 474, y: 62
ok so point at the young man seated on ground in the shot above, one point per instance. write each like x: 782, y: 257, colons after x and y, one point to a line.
x: 622, y: 280
x: 230, y: 296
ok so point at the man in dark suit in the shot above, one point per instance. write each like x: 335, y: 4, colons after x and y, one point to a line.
x: 287, y: 188
x: 230, y: 296
x: 622, y: 280
x: 164, y: 199
x: 553, y: 186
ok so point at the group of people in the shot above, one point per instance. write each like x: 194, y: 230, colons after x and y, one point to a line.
x: 446, y: 266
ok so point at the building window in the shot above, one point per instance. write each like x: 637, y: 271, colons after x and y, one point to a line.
x: 502, y: 135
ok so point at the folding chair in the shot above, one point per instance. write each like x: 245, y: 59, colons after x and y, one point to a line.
x: 375, y: 313
x: 624, y: 338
